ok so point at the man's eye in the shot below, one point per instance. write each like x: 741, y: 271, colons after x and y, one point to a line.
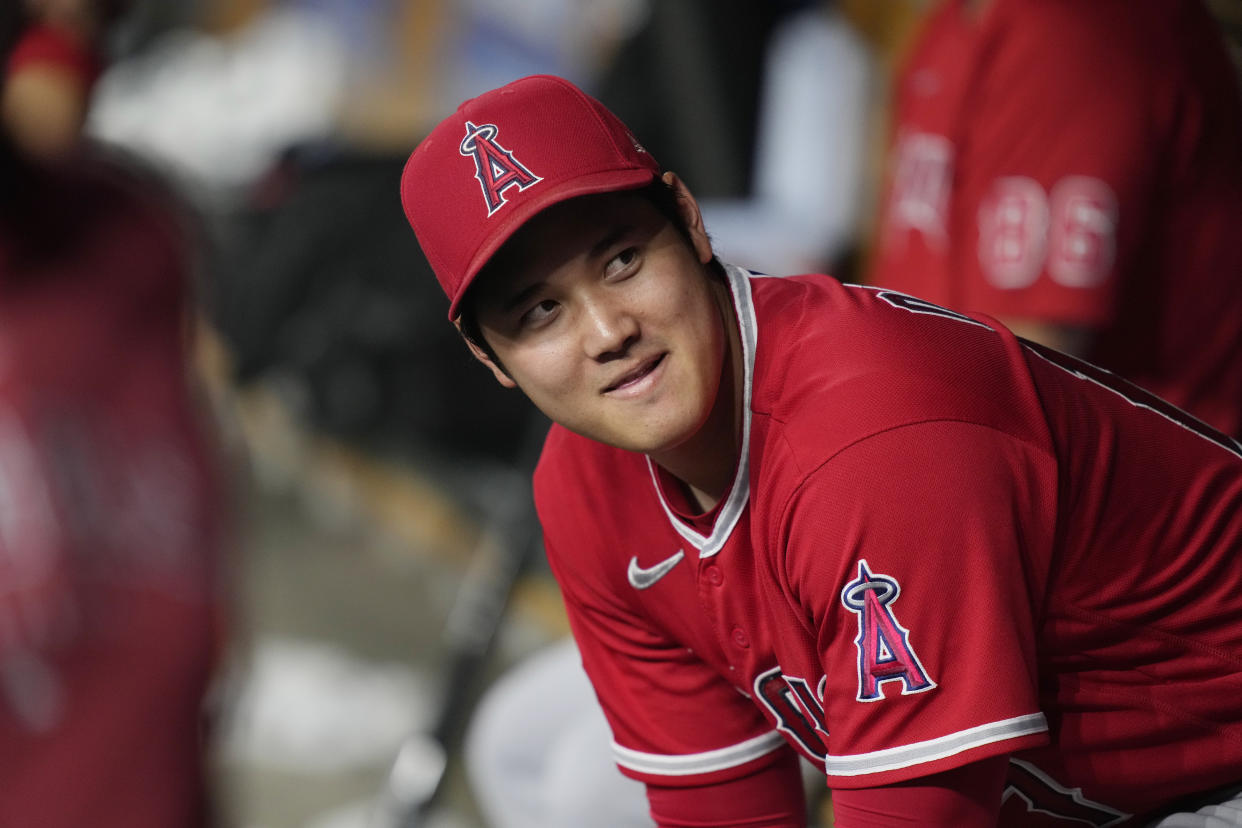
x: 622, y: 260
x: 539, y: 313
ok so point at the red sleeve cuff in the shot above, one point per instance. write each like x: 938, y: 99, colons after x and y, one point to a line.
x: 965, y: 797
x: 771, y: 797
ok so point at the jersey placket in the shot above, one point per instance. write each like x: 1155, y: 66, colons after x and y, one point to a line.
x: 725, y: 584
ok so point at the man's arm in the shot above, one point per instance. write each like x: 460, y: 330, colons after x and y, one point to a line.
x: 926, y: 626
x: 965, y: 797
x: 676, y: 722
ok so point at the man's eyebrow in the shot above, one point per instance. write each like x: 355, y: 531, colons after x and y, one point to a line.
x: 515, y: 299
x: 610, y: 238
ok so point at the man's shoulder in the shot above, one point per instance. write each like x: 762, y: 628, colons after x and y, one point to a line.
x: 817, y: 338
x: 596, y: 506
x: 564, y: 450
x: 574, y: 471
x: 849, y: 362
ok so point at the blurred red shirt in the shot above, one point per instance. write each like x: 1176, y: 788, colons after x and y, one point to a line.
x: 111, y: 513
x: 1078, y: 164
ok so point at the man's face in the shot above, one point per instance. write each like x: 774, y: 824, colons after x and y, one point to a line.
x: 605, y: 316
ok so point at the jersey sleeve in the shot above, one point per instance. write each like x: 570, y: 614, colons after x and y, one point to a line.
x: 675, y: 721
x: 915, y: 554
x: 1057, y: 164
x: 771, y: 797
x: 965, y: 797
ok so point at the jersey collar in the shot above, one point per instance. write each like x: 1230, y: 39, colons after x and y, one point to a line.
x: 739, y: 493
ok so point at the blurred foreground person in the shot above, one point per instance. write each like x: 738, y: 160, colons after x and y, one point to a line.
x: 1075, y: 170
x: 111, y: 514
x: 972, y: 579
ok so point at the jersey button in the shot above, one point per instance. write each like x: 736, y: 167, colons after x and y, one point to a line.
x: 714, y: 576
x: 740, y: 639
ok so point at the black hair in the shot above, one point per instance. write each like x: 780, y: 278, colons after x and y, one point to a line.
x: 660, y: 195
x: 13, y: 20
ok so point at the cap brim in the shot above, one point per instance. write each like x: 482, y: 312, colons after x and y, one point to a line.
x: 591, y: 184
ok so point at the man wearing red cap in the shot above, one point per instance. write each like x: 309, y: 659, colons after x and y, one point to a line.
x: 974, y: 580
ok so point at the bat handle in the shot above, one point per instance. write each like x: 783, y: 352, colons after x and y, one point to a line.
x: 415, y: 775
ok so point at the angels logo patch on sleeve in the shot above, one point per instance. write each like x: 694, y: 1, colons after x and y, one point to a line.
x: 884, y: 650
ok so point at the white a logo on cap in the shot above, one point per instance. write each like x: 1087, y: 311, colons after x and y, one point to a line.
x: 494, y: 166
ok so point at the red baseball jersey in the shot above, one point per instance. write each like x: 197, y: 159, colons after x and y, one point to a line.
x: 110, y: 513
x: 1079, y: 164
x: 940, y: 545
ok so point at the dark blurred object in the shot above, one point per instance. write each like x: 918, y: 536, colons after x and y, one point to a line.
x: 137, y: 23
x: 12, y: 19
x: 1228, y: 14
x: 322, y: 282
x: 689, y: 81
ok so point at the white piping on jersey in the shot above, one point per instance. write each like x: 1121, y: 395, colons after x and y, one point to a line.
x: 919, y: 752
x: 739, y: 493
x: 686, y: 764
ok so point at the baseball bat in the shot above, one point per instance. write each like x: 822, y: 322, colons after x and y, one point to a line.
x: 509, y: 541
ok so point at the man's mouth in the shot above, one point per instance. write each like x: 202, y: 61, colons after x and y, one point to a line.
x: 631, y: 378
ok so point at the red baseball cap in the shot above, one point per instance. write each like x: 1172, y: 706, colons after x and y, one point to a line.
x: 503, y: 157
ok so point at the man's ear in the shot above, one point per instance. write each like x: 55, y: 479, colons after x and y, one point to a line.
x: 689, y: 209
x: 481, y: 355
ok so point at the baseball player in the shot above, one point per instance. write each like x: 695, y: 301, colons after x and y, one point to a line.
x: 111, y: 504
x: 554, y: 768
x: 1075, y: 170
x: 976, y: 581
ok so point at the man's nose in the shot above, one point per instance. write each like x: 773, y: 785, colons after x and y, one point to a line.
x: 609, y: 329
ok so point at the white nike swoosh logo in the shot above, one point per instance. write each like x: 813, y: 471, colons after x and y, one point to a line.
x: 641, y: 578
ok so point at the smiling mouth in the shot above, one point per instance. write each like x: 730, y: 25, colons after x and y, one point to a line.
x: 637, y: 374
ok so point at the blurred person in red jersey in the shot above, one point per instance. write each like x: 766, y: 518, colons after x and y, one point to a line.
x: 111, y: 508
x: 1075, y: 170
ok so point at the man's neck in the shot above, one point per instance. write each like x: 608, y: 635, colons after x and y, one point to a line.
x: 706, y: 462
